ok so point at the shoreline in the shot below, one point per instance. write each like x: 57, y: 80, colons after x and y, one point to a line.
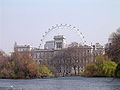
x: 58, y: 77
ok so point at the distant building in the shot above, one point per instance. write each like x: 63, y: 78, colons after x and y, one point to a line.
x: 22, y: 48
x: 49, y: 45
x: 50, y: 49
x: 59, y: 42
x: 53, y: 48
x: 99, y: 49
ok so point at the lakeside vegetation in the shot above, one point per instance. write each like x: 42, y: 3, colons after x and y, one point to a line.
x: 21, y: 66
x: 107, y: 65
x: 103, y: 67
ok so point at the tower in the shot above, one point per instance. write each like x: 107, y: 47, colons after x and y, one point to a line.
x: 59, y: 42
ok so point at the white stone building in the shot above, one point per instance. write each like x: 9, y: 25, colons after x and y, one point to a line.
x: 49, y: 45
x: 53, y: 48
x: 59, y: 42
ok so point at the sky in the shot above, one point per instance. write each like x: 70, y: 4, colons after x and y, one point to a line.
x: 26, y: 21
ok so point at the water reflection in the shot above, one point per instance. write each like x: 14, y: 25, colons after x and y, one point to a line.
x: 62, y: 83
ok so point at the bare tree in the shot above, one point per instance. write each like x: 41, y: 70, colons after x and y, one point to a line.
x: 3, y: 58
x: 113, y: 47
x: 71, y: 59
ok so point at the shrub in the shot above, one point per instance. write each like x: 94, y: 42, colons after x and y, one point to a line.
x: 43, y: 71
x: 102, y: 67
x: 91, y: 70
x: 22, y: 66
x: 107, y: 69
x: 117, y: 71
x: 101, y: 59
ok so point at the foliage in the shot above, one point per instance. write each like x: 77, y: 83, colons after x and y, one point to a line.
x: 70, y: 60
x: 117, y: 71
x: 102, y: 67
x: 107, y: 69
x: 25, y: 67
x: 100, y: 59
x: 51, y: 68
x: 91, y: 70
x: 21, y: 66
x: 43, y: 71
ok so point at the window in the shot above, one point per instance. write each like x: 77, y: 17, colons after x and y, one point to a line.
x: 59, y: 45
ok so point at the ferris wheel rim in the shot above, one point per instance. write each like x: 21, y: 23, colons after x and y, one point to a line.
x: 58, y: 26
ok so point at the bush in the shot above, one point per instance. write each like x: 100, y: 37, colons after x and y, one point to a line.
x: 22, y: 66
x: 101, y: 59
x: 43, y: 71
x: 91, y: 70
x: 117, y: 71
x: 107, y: 69
x: 102, y: 67
x: 25, y: 67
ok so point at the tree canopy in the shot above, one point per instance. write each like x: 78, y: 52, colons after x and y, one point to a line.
x: 113, y: 47
x: 22, y: 66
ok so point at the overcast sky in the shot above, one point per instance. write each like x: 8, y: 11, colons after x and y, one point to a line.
x: 25, y: 21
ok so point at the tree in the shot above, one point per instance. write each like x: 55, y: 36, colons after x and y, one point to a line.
x: 113, y: 47
x: 91, y: 70
x: 19, y: 65
x: 117, y: 71
x: 6, y: 67
x: 101, y: 59
x: 69, y: 60
x: 107, y: 69
x: 25, y: 67
x: 61, y: 62
x: 43, y: 71
x: 102, y: 67
x: 3, y: 59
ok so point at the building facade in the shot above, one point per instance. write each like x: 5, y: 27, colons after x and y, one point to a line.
x: 49, y: 45
x: 54, y: 48
x: 59, y: 42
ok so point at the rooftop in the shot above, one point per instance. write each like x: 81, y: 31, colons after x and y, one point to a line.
x: 59, y: 37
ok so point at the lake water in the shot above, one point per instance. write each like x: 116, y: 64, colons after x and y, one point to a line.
x: 61, y: 83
